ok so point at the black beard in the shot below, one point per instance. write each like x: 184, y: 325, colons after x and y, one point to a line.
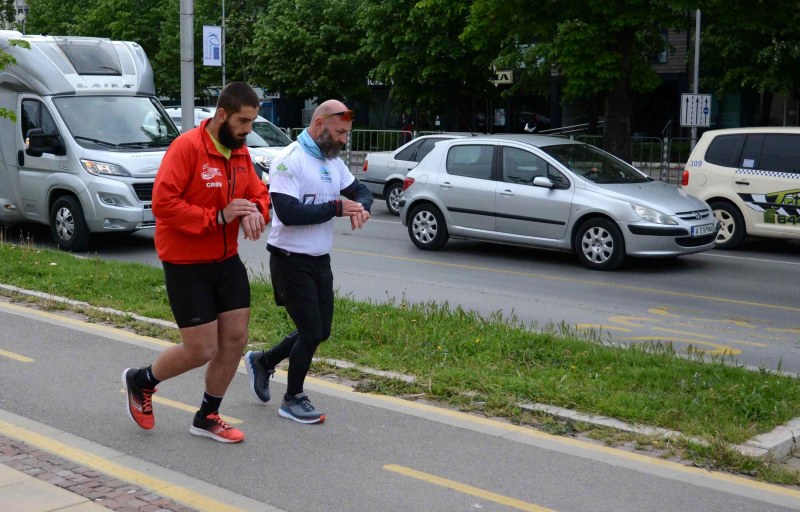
x: 227, y: 139
x: 329, y: 148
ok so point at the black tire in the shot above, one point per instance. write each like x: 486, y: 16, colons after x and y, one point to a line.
x: 731, y: 231
x: 427, y: 228
x: 392, y: 193
x: 599, y: 244
x: 68, y: 225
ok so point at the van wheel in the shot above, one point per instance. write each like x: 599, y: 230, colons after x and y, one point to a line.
x: 731, y: 226
x: 427, y: 228
x: 68, y: 225
x: 392, y: 193
x: 599, y: 244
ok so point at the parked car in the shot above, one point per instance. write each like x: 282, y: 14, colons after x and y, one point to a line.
x: 263, y: 148
x: 385, y: 171
x: 751, y: 179
x: 552, y: 193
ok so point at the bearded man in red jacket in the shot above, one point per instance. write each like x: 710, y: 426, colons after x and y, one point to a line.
x: 205, y: 191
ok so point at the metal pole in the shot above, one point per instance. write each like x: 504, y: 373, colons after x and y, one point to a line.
x: 696, y: 78
x: 223, y: 43
x: 187, y: 64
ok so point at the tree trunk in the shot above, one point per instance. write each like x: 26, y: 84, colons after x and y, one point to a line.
x: 766, y: 108
x: 619, y: 101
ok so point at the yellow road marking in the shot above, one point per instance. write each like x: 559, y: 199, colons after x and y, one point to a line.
x: 629, y: 320
x: 188, y: 408
x: 573, y: 280
x: 602, y: 327
x: 662, y: 311
x: 177, y: 493
x: 749, y: 343
x: 787, y: 331
x: 434, y: 412
x: 675, y: 331
x: 466, y: 489
x: 719, y: 349
x: 82, y: 323
x: 15, y: 357
x: 737, y: 323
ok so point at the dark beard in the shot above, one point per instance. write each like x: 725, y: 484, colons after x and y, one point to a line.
x: 329, y: 148
x: 227, y: 139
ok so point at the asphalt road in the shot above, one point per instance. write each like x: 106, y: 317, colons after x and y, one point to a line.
x: 741, y: 304
x: 372, y: 454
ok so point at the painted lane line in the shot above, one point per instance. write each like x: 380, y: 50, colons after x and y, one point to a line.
x: 602, y: 327
x: 760, y: 260
x: 548, y: 277
x: 671, y: 470
x: 177, y: 493
x: 16, y: 357
x: 188, y: 408
x: 466, y: 489
x: 675, y: 331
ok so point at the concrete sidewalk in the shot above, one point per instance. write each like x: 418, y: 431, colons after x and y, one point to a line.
x: 23, y: 492
x: 32, y: 480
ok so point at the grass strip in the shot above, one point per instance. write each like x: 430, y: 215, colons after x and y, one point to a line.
x: 462, y: 359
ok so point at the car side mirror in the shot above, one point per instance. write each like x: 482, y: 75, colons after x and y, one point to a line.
x: 37, y: 143
x: 542, y: 181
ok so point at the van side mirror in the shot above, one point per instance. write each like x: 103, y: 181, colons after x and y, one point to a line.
x: 38, y: 143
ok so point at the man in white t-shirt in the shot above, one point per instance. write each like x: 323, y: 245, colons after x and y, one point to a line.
x: 306, y: 184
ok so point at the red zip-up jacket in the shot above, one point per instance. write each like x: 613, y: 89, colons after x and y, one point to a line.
x: 193, y: 183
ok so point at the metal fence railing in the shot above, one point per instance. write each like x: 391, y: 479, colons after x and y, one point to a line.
x: 362, y: 142
x: 661, y: 158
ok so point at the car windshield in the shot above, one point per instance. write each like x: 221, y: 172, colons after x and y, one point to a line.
x: 131, y: 122
x: 594, y: 164
x: 273, y: 135
x: 254, y: 139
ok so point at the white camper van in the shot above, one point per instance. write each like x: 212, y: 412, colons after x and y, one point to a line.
x: 88, y: 137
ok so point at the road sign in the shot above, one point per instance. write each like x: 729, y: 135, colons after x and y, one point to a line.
x: 696, y: 110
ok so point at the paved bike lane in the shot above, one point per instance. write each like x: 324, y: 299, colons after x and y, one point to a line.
x: 60, y: 388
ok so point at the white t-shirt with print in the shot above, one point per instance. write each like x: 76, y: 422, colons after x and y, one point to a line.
x: 311, y: 181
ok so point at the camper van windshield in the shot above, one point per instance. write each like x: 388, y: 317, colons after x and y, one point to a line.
x: 123, y: 122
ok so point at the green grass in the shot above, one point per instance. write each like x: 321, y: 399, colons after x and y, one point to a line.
x: 460, y: 359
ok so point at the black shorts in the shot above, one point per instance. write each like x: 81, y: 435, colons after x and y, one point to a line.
x: 199, y: 292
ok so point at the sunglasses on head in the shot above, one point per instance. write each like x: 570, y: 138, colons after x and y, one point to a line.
x: 346, y: 115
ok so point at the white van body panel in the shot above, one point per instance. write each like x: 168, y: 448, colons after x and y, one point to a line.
x: 79, y: 88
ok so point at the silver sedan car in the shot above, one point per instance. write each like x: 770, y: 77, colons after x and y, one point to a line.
x: 552, y: 193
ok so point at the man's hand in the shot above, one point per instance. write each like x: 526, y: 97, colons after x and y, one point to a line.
x: 253, y: 225
x: 251, y: 220
x: 356, y: 211
x: 357, y: 221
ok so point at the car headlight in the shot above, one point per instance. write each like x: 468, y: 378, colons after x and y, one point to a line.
x: 262, y: 161
x: 651, y: 215
x: 103, y: 168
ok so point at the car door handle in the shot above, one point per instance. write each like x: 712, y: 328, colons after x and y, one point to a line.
x: 446, y: 184
x: 742, y: 182
x: 507, y: 193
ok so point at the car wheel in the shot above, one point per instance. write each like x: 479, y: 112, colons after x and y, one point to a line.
x: 68, y: 225
x: 599, y: 244
x: 392, y: 193
x: 427, y: 228
x: 731, y: 226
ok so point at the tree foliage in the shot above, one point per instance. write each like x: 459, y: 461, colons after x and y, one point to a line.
x: 748, y: 45
x: 593, y: 47
x: 9, y: 60
x: 308, y: 48
x: 417, y: 50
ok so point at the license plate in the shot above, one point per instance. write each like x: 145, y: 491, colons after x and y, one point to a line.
x: 705, y: 229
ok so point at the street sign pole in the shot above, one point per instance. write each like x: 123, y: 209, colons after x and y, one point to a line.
x: 696, y: 78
